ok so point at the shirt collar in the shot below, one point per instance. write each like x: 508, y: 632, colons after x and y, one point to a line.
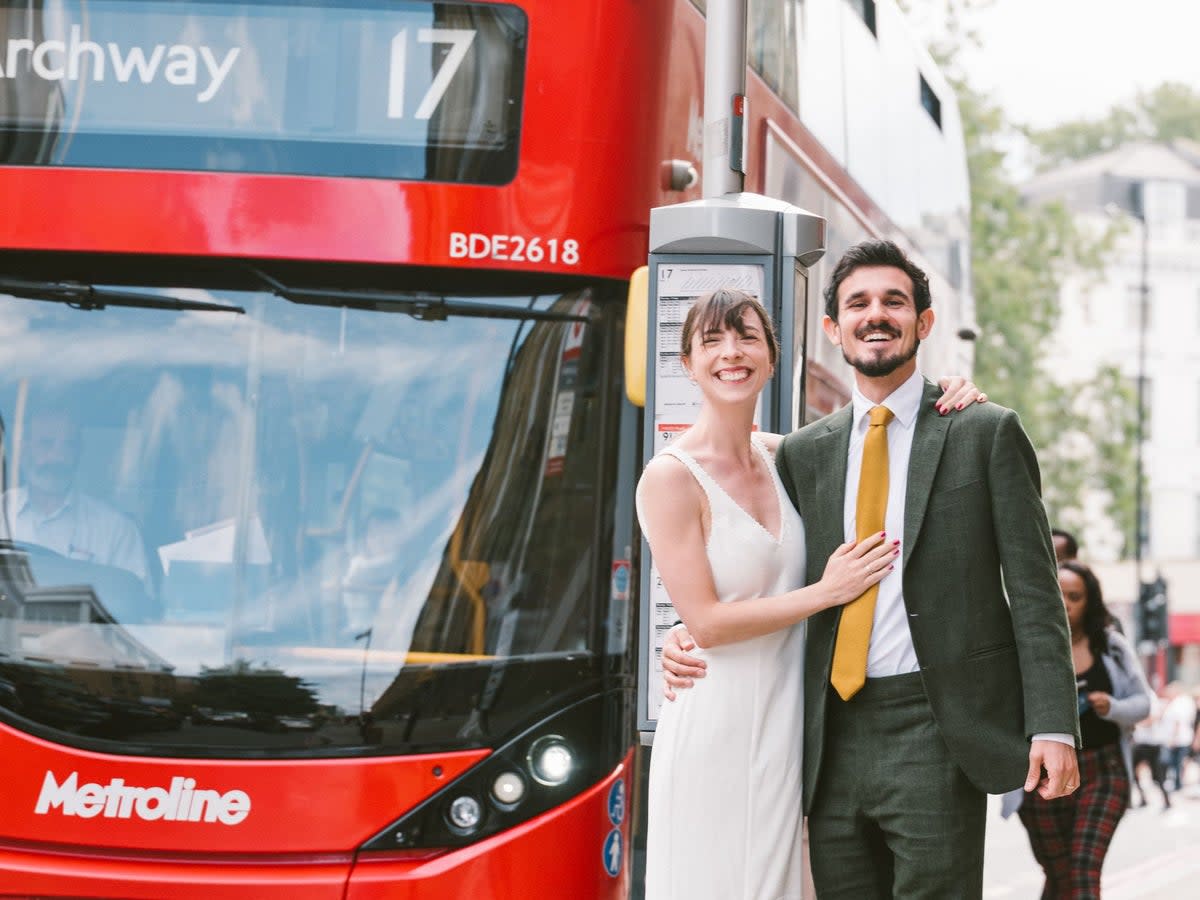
x: 904, y: 401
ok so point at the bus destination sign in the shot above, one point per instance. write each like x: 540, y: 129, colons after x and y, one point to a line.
x: 413, y: 90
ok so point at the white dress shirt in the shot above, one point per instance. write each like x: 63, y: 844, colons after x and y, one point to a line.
x: 891, y: 651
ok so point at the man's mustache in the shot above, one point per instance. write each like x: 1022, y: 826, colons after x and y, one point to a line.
x: 883, y: 327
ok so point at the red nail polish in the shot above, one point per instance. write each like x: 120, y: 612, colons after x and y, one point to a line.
x: 960, y: 406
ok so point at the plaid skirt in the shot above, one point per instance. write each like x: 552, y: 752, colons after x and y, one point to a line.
x: 1070, y: 835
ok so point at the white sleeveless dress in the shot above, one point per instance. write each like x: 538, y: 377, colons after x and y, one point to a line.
x: 724, y: 810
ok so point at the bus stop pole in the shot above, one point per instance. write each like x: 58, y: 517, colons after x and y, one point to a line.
x: 724, y: 97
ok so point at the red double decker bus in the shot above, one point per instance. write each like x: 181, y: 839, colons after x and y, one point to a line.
x: 317, y: 465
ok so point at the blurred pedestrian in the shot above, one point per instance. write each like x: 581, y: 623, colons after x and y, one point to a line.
x: 1148, y: 752
x: 1066, y: 547
x: 1178, y: 726
x: 1194, y: 752
x: 1070, y: 835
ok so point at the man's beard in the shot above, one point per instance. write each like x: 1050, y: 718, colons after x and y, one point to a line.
x: 885, y: 365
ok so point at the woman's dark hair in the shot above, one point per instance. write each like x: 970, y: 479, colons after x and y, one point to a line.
x: 1096, y: 617
x: 722, y: 309
x: 877, y: 253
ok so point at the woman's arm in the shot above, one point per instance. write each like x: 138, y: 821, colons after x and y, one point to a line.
x: 958, y: 392
x: 671, y: 510
x: 1133, y: 702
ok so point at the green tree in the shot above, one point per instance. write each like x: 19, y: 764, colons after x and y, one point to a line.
x: 1083, y: 137
x: 261, y: 692
x: 1092, y: 448
x: 1021, y: 254
x: 1168, y: 112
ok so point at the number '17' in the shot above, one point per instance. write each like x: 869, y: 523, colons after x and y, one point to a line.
x: 460, y: 41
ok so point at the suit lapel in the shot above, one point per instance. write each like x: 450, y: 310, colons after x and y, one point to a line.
x: 928, y: 440
x: 829, y: 460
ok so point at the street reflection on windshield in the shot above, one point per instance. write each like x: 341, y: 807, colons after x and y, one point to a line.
x: 259, y: 523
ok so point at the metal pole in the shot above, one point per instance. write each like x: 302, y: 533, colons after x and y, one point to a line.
x: 1143, y: 315
x: 1137, y: 210
x: 724, y: 97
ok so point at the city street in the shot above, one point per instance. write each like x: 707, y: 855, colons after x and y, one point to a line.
x: 1153, y: 855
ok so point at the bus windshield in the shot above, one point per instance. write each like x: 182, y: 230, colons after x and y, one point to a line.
x: 250, y: 525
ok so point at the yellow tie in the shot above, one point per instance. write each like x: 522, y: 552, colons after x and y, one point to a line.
x: 854, y: 633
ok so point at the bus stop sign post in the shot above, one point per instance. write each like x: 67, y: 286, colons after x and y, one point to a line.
x: 747, y: 241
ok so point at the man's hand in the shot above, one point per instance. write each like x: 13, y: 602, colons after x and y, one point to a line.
x: 679, y: 669
x: 1061, y: 767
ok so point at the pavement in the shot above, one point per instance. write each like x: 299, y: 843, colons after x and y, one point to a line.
x: 1153, y: 855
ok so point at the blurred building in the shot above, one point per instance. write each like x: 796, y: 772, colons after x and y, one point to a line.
x: 1155, y: 186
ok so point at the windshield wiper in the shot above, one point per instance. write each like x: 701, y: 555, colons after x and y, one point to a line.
x: 88, y: 297
x: 426, y: 307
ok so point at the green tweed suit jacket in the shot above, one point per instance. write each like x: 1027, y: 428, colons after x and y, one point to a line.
x: 980, y: 585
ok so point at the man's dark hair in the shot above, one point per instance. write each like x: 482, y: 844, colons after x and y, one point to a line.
x: 1072, y: 547
x: 876, y: 253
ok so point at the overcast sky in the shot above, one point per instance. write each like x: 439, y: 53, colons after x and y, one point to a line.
x: 1050, y: 60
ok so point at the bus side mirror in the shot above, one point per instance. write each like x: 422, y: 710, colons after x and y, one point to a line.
x: 636, y: 313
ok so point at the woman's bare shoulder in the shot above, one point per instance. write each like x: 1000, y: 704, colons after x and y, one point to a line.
x: 668, y: 496
x: 665, y: 474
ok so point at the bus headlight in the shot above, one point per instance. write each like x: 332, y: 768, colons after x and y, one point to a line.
x: 550, y: 760
x: 464, y: 814
x: 508, y: 789
x: 532, y: 773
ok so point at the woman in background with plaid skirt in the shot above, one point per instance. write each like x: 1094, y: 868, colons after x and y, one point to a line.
x: 1070, y: 835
